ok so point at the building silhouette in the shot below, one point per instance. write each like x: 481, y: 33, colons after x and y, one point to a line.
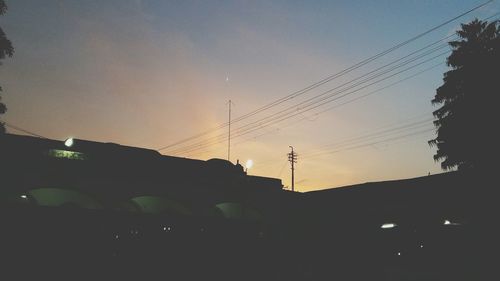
x: 119, y: 212
x: 112, y: 176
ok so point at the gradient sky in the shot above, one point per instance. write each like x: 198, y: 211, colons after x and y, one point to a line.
x: 148, y: 73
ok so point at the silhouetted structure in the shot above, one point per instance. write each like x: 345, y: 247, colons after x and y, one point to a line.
x: 83, y: 203
x: 121, y: 212
x: 111, y: 174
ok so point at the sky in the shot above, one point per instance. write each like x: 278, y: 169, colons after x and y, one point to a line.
x: 149, y: 73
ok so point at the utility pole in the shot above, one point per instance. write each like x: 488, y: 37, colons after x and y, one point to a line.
x: 292, y: 158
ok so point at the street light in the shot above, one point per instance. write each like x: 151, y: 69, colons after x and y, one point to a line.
x: 388, y: 225
x: 69, y: 142
x: 248, y: 165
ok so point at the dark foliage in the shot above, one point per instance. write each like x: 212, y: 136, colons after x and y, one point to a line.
x: 465, y: 122
x: 6, y: 50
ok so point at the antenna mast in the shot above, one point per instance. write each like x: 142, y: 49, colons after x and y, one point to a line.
x: 229, y: 134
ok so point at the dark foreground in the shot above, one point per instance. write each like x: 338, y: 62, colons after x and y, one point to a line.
x: 100, y: 211
x: 46, y: 243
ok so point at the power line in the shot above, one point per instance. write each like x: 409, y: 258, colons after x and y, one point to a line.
x: 365, y: 95
x: 375, y: 135
x: 360, y: 77
x: 327, y: 79
x: 282, y: 168
x: 17, y: 128
x: 381, y: 89
x: 293, y: 111
x: 492, y: 16
x: 337, y: 105
x: 259, y: 126
x: 369, y: 138
x: 384, y: 131
x: 312, y: 102
x: 360, y: 141
x: 369, y: 144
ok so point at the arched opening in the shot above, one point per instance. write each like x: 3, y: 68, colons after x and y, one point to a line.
x: 58, y: 197
x: 235, y: 210
x: 159, y: 205
x: 211, y: 212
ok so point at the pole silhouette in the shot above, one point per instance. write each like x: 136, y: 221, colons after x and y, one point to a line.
x: 292, y: 158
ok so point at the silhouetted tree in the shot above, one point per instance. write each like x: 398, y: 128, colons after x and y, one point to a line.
x: 466, y: 122
x: 6, y: 49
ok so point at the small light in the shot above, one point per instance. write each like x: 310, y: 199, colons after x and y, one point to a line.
x: 69, y: 142
x: 249, y: 164
x: 24, y: 196
x: 388, y: 225
x: 399, y: 253
x: 447, y: 222
x: 116, y: 236
x: 421, y: 246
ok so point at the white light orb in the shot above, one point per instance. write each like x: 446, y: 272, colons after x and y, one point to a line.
x: 388, y: 225
x: 69, y: 142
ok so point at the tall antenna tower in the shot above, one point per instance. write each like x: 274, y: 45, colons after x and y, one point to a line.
x: 229, y: 134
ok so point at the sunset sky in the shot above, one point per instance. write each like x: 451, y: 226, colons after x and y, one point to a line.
x: 149, y: 73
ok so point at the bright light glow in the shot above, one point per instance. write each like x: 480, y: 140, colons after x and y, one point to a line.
x: 69, y: 142
x: 24, y: 196
x: 447, y: 222
x: 399, y: 254
x: 388, y: 225
x: 249, y: 164
x: 421, y: 246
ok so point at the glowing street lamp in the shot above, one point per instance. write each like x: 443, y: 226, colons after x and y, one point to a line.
x: 69, y: 142
x: 248, y: 164
x: 448, y: 222
x: 388, y: 225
